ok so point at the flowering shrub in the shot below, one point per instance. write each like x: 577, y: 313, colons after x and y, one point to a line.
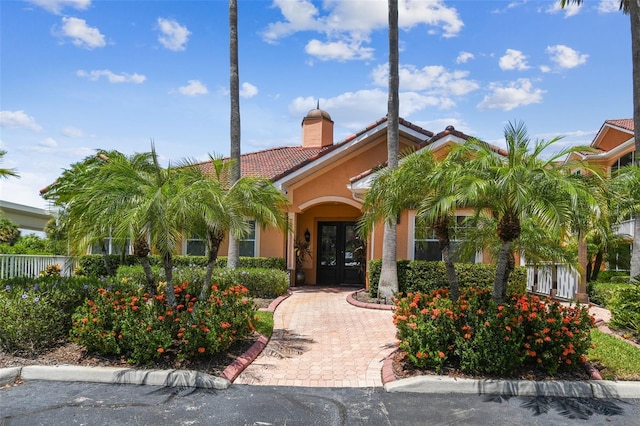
x: 480, y: 336
x: 35, y: 313
x: 144, y: 328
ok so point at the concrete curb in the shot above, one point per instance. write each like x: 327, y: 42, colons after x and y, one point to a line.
x: 574, y: 389
x: 114, y: 375
x: 9, y: 375
x: 353, y: 301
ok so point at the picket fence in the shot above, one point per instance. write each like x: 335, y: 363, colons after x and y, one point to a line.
x: 555, y: 280
x: 26, y: 265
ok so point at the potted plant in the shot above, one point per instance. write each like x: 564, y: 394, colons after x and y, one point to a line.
x: 301, y: 251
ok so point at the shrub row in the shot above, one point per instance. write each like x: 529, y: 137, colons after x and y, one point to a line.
x: 426, y: 276
x: 260, y: 282
x: 144, y: 328
x: 480, y: 336
x: 625, y: 308
x: 35, y: 313
x: 93, y: 264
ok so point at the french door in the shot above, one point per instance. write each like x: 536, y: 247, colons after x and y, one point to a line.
x: 339, y: 254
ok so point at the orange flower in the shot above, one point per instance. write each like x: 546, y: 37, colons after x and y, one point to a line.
x: 84, y: 320
x: 531, y: 353
x: 201, y: 350
x: 148, y: 328
x: 441, y: 354
x: 160, y: 318
x: 160, y: 350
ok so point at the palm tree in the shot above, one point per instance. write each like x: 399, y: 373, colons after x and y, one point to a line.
x: 214, y: 208
x: 6, y: 173
x: 521, y: 186
x: 417, y: 183
x: 234, y: 89
x: 388, y: 285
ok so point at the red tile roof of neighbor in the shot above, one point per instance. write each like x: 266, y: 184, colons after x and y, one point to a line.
x: 625, y: 123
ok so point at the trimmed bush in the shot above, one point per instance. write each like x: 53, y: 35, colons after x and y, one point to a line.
x: 621, y: 279
x: 604, y: 276
x: 480, y: 336
x: 601, y: 293
x: 260, y: 282
x: 35, y: 313
x: 625, y: 307
x: 425, y: 276
x: 93, y: 264
x: 144, y: 328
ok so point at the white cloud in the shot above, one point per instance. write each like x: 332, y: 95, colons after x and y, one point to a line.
x: 111, y: 76
x: 347, y: 28
x: 248, y: 90
x: 609, y: 6
x: 173, y: 35
x: 566, y: 57
x: 72, y: 132
x: 194, y: 88
x: 48, y: 143
x: 338, y: 50
x: 434, y: 79
x: 464, y: 57
x: 571, y: 9
x: 545, y: 68
x: 18, y: 120
x: 513, y: 60
x: 81, y: 34
x: 56, y: 6
x: 515, y: 94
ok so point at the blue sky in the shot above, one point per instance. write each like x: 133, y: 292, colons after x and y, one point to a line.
x: 78, y: 75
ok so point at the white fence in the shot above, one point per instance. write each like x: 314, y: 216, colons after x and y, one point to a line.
x: 553, y: 280
x: 25, y: 265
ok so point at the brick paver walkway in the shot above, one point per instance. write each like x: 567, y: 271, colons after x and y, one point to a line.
x: 320, y: 340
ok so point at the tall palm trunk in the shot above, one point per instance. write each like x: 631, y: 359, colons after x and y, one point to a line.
x: 441, y: 228
x: 502, y: 273
x: 105, y: 260
x: 634, y: 15
x: 388, y: 284
x: 233, y: 254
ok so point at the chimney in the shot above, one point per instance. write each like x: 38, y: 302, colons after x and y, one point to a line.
x: 317, y: 129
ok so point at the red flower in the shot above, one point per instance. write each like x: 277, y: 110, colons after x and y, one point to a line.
x: 201, y: 350
x: 160, y: 350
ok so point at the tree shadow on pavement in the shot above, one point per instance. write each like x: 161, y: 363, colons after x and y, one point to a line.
x: 568, y: 407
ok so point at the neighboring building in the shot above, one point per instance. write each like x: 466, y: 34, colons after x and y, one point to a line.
x: 325, y: 183
x: 26, y: 217
x: 614, y: 147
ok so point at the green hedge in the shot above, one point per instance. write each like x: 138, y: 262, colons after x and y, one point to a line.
x: 625, y: 308
x: 92, y: 265
x: 426, y: 276
x: 605, y: 276
x: 601, y: 293
x: 261, y: 282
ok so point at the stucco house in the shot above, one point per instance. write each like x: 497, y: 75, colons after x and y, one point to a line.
x: 614, y: 147
x: 325, y: 182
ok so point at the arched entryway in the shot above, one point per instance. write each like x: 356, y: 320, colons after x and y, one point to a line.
x: 338, y: 254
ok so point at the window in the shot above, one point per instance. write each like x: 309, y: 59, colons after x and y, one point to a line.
x: 426, y: 246
x: 248, y: 244
x: 111, y: 246
x: 195, y: 246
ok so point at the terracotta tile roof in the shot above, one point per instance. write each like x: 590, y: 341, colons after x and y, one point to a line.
x: 450, y: 130
x: 276, y: 163
x: 625, y: 123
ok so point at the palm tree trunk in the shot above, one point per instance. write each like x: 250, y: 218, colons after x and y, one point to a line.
x: 167, y: 261
x: 105, y: 260
x: 597, y: 265
x: 388, y: 285
x: 581, y: 293
x: 214, y: 240
x: 141, y: 251
x: 233, y: 255
x: 502, y: 273
x: 635, y: 250
x: 441, y: 228
x: 634, y: 15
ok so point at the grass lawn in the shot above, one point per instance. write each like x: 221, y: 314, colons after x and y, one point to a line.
x: 264, y: 324
x: 616, y: 360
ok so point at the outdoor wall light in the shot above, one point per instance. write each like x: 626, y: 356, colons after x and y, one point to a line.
x: 307, y: 235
